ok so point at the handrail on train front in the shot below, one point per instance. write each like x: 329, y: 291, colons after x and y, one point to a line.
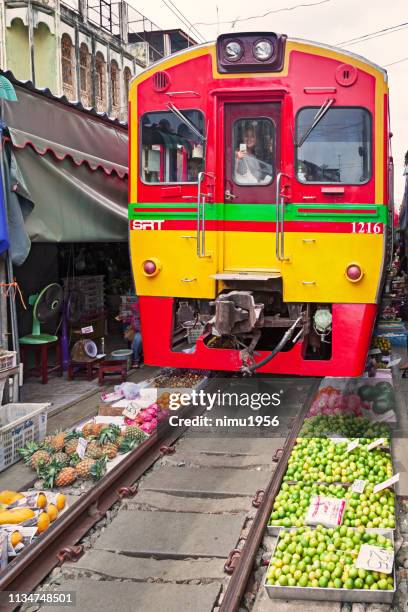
x: 280, y: 218
x: 201, y: 217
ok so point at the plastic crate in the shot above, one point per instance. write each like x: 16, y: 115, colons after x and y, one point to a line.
x: 7, y: 360
x: 397, y: 338
x: 19, y: 424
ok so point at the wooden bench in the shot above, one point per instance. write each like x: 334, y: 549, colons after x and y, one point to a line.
x: 112, y: 368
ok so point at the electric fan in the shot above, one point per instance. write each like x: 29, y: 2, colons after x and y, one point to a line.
x: 46, y: 305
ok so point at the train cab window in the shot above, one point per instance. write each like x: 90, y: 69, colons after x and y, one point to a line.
x: 254, y: 146
x: 170, y: 151
x: 337, y: 149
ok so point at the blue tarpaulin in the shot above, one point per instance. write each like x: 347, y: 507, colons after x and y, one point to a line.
x: 4, y: 239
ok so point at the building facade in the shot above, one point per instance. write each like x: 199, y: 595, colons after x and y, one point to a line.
x: 86, y: 53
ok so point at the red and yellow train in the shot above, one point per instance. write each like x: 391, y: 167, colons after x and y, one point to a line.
x: 260, y: 205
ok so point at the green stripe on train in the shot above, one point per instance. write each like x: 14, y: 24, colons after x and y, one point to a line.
x: 261, y: 212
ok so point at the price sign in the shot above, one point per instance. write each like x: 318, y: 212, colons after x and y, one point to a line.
x: 131, y: 411
x: 352, y: 445
x: 327, y: 511
x: 375, y: 559
x: 386, y: 483
x: 376, y: 443
x: 87, y: 330
x: 358, y: 486
x: 81, y: 447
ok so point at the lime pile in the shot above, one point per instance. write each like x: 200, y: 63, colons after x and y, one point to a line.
x: 345, y: 426
x: 321, y: 460
x: 367, y: 509
x: 325, y: 558
x: 292, y: 502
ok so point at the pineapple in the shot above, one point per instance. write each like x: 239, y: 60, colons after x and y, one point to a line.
x: 110, y: 450
x: 83, y: 468
x: 98, y: 469
x: 109, y: 434
x: 56, y: 441
x: 134, y: 433
x: 127, y: 444
x: 94, y: 450
x: 34, y: 455
x: 61, y: 458
x: 66, y: 477
x: 88, y: 429
x: 55, y: 475
x: 71, y: 442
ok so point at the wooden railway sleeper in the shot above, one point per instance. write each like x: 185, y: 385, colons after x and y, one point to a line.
x: 232, y: 561
x: 70, y: 553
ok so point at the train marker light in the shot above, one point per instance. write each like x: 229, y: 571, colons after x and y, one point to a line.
x: 251, y: 52
x: 263, y: 50
x: 233, y: 51
x: 354, y: 273
x: 151, y: 267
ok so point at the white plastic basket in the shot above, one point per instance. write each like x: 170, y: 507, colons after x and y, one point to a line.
x: 7, y: 360
x: 19, y: 424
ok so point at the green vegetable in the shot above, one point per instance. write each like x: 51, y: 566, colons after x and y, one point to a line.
x: 367, y: 393
x: 383, y: 403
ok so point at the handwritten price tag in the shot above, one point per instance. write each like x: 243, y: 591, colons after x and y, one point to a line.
x: 375, y: 559
x: 327, y: 511
x: 131, y: 411
x: 376, y: 443
x: 386, y: 483
x: 358, y: 486
x: 81, y: 447
x: 352, y: 445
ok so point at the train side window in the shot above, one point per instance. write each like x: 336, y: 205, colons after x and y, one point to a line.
x: 337, y: 150
x: 254, y: 146
x: 170, y: 151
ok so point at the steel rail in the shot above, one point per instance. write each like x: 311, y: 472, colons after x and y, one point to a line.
x: 242, y: 571
x: 32, y: 565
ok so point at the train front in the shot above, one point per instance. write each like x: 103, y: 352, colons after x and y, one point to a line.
x: 259, y: 205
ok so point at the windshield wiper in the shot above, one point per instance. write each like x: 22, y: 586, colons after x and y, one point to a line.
x: 183, y: 118
x: 318, y: 116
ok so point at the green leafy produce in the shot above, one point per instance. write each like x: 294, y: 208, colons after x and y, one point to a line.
x: 325, y: 558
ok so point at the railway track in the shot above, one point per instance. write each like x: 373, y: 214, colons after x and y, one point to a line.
x: 190, y: 522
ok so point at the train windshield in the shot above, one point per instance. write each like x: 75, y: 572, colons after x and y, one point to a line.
x: 337, y: 150
x: 170, y: 151
x: 254, y: 146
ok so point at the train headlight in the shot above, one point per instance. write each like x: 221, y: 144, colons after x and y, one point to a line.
x: 354, y: 273
x: 234, y: 50
x: 263, y: 50
x: 151, y: 267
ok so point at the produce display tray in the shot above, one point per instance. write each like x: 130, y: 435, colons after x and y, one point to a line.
x: 332, y: 594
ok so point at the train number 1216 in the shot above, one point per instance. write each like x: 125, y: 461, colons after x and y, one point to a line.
x: 361, y: 227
